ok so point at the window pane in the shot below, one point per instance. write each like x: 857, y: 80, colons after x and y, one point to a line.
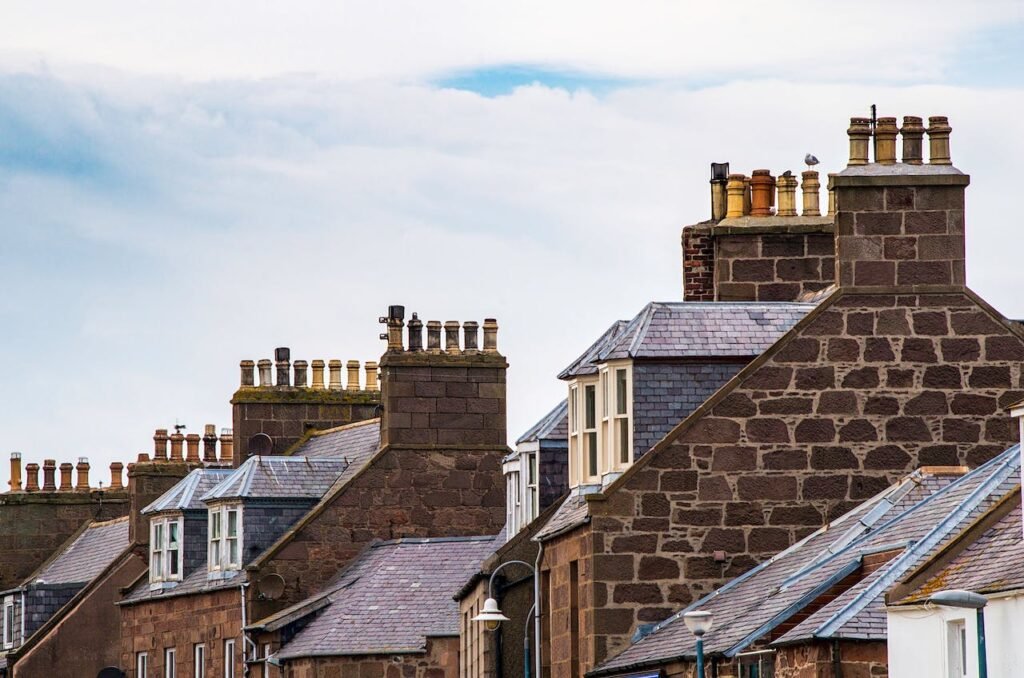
x: 604, y: 394
x: 172, y: 535
x: 158, y: 535
x: 624, y: 450
x: 215, y: 525
x: 573, y: 415
x: 233, y: 551
x: 232, y: 523
x: 591, y: 454
x: 620, y: 391
x: 590, y: 415
x: 215, y: 553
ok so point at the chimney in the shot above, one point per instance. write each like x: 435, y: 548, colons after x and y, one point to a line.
x: 900, y: 226
x: 32, y: 477
x: 192, y: 446
x: 451, y: 337
x: 811, y: 188
x: 762, y: 190
x: 147, y: 480
x: 210, y: 444
x: 415, y: 334
x: 116, y: 478
x: 227, y: 445
x: 300, y: 373
x: 15, y: 481
x: 318, y: 375
x: 434, y: 336
x: 719, y: 194
x: 65, y: 477
x: 395, y: 320
x: 470, y: 336
x: 352, y: 367
x: 490, y: 335
x: 938, y: 140
x: 82, y: 469
x: 160, y: 445
x: 282, y: 360
x: 860, y: 133
x: 787, y: 195
x: 831, y: 196
x: 49, y: 473
x: 335, y: 369
x: 176, y: 440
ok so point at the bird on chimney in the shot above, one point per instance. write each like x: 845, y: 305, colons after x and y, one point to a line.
x: 810, y: 160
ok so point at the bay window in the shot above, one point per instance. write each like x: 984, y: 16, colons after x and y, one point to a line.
x: 165, y: 549
x: 601, y: 424
x: 225, y: 534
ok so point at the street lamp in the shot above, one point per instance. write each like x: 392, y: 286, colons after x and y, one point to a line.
x: 492, y: 616
x: 699, y: 622
x: 970, y: 601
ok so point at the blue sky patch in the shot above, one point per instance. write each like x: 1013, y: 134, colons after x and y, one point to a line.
x: 494, y: 81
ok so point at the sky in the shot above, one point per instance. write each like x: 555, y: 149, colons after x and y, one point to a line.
x: 187, y: 184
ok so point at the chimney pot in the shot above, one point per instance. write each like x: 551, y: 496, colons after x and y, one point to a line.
x: 811, y: 187
x: 116, y: 479
x: 32, y: 477
x: 762, y: 188
x: 227, y: 445
x: 83, y: 475
x: 192, y: 443
x: 735, y: 189
x: 787, y: 195
x: 434, y: 336
x: 719, y: 196
x: 395, y: 322
x: 746, y: 196
x: 831, y: 196
x: 490, y: 335
x: 938, y: 140
x: 301, y: 367
x: 334, y: 367
x: 264, y: 370
x: 912, y: 133
x: 282, y: 360
x: 415, y: 334
x: 860, y: 133
x: 371, y: 376
x: 248, y: 378
x: 49, y: 473
x: 885, y: 141
x: 176, y: 440
x: 141, y: 459
x: 65, y: 477
x: 471, y: 335
x: 352, y: 366
x: 451, y: 336
x: 210, y: 443
x: 318, y: 375
x: 15, y: 481
x: 160, y: 439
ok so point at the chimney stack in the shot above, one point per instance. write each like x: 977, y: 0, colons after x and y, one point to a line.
x: 160, y: 445
x: 210, y: 444
x: 938, y: 140
x: 912, y: 133
x: 65, y: 477
x: 116, y: 479
x: 15, y: 481
x: 82, y: 469
x: 300, y: 373
x: 192, y: 446
x: 32, y: 477
x: 49, y: 475
x: 352, y: 367
x: 318, y: 375
x: 395, y: 320
x: 811, y: 188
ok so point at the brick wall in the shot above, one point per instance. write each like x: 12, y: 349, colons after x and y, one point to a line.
x: 665, y: 393
x: 441, y: 660
x: 773, y: 266
x: 698, y: 264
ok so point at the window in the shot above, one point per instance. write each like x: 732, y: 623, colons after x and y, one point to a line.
x: 532, y: 495
x: 590, y: 430
x: 165, y: 549
x: 623, y: 447
x: 169, y: 668
x: 199, y: 655
x: 141, y: 665
x: 9, y: 622
x: 229, y: 658
x: 757, y: 664
x: 225, y: 538
x: 574, y: 429
x: 956, y: 648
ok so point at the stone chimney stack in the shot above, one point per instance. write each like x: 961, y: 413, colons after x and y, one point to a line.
x: 147, y: 480
x: 15, y: 481
x: 900, y: 225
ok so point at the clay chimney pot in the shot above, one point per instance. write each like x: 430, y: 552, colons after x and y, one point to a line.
x: 912, y: 133
x: 885, y: 141
x: 116, y: 478
x: 762, y: 185
x: 352, y: 366
x: 15, y: 481
x: 859, y: 133
x: 938, y: 140
x: 32, y: 477
x: 82, y: 469
x: 49, y: 473
x: 334, y: 367
x: 65, y: 477
x: 318, y: 375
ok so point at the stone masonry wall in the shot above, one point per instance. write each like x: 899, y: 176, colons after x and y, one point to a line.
x: 171, y: 622
x: 772, y: 266
x: 566, y: 649
x: 867, y: 388
x: 814, y: 660
x: 665, y: 393
x: 698, y: 264
x: 441, y: 660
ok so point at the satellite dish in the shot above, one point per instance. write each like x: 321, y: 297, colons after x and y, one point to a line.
x: 270, y: 587
x: 261, y: 444
x: 110, y: 672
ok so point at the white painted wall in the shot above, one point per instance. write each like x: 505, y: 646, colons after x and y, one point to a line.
x: 917, y: 640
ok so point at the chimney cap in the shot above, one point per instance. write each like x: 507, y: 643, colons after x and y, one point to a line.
x: 83, y: 460
x: 15, y: 455
x: 282, y: 354
x: 226, y: 431
x: 719, y: 171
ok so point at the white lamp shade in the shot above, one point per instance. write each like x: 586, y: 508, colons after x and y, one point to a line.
x: 490, y: 615
x: 699, y: 622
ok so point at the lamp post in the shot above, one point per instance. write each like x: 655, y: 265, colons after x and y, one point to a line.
x: 492, y: 616
x: 699, y: 622
x: 970, y: 601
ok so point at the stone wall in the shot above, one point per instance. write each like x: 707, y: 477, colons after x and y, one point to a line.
x: 698, y: 264
x: 172, y: 622
x: 574, y: 598
x: 441, y: 660
x: 773, y: 266
x: 816, y: 660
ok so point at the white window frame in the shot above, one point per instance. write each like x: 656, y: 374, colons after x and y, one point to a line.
x: 589, y: 444
x: 575, y: 474
x: 161, y: 556
x: 956, y: 648
x: 229, y: 658
x: 219, y: 541
x: 141, y: 665
x: 621, y: 418
x: 8, y: 623
x: 531, y: 486
x: 170, y: 662
x: 199, y: 660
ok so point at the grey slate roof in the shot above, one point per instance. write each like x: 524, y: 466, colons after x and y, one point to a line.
x: 195, y: 582
x: 278, y: 478
x: 392, y: 598
x: 911, y: 520
x: 553, y: 426
x: 87, y: 556
x: 185, y: 495
x: 359, y: 440
x: 687, y: 329
x: 571, y: 513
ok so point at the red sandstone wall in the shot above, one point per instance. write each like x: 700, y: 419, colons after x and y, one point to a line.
x: 441, y: 660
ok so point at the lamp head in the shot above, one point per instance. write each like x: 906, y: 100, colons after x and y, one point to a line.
x: 699, y: 622
x: 959, y: 598
x: 491, y: 616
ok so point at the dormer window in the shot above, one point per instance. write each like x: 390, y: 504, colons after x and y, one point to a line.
x: 600, y: 424
x: 225, y: 538
x: 165, y: 549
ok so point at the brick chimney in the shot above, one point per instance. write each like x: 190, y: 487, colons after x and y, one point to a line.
x: 442, y: 398
x: 900, y: 224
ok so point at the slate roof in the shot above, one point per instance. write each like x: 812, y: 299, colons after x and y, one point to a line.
x: 553, y: 426
x: 993, y: 563
x: 196, y: 581
x: 392, y: 598
x: 688, y: 329
x: 352, y: 441
x: 87, y: 556
x: 571, y: 513
x: 185, y: 495
x: 909, y: 520
x: 262, y: 477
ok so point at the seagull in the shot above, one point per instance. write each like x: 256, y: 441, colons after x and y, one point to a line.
x: 810, y: 160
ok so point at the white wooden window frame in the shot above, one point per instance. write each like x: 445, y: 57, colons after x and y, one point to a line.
x: 591, y: 472
x: 141, y: 665
x: 199, y: 660
x: 229, y: 658
x: 161, y: 555
x: 619, y: 461
x: 532, y: 486
x: 170, y: 662
x: 219, y: 551
x: 8, y: 623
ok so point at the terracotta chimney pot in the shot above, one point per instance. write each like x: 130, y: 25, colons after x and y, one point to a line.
x: 210, y: 443
x: 885, y: 141
x: 116, y: 478
x: 913, y: 145
x: 15, y: 481
x: 192, y: 446
x: 860, y: 133
x: 787, y: 196
x: 227, y: 445
x: 49, y: 473
x: 65, y: 477
x: 938, y: 140
x: 176, y: 440
x: 735, y: 189
x: 160, y: 439
x: 32, y: 477
x: 762, y: 186
x: 82, y: 468
x: 811, y: 187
